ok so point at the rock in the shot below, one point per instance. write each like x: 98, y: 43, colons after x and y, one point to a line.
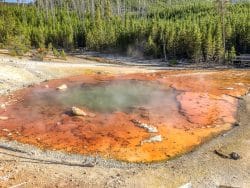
x: 62, y: 87
x: 30, y: 85
x: 3, y: 118
x: 187, y: 185
x: 58, y: 123
x: 225, y: 134
x: 234, y: 156
x: 78, y: 112
x: 148, y: 128
x: 10, y: 134
x: 152, y: 139
x: 236, y: 124
x: 6, y: 130
x: 3, y: 106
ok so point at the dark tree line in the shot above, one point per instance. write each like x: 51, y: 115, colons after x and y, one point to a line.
x: 170, y: 29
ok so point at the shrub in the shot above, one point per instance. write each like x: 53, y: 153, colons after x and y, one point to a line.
x: 17, y: 45
x: 50, y: 47
x: 173, y: 62
x: 63, y: 55
x: 55, y: 52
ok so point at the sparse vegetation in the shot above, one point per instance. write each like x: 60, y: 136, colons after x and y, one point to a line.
x: 17, y: 45
x: 55, y: 52
x: 63, y: 55
x: 173, y: 62
x: 40, y: 54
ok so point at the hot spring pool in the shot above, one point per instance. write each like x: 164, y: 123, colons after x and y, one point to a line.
x: 135, y: 118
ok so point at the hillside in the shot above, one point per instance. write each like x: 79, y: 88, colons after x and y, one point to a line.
x: 192, y: 30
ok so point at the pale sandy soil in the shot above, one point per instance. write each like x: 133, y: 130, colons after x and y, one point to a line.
x: 16, y: 73
x: 35, y: 168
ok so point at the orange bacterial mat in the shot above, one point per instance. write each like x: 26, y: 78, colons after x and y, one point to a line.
x: 134, y: 118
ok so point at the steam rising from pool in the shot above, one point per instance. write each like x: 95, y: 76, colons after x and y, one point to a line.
x: 107, y: 97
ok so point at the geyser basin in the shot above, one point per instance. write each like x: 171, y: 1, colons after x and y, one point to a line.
x: 136, y: 118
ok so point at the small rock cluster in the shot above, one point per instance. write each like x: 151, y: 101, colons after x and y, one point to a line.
x: 148, y: 128
x: 62, y: 87
x: 152, y: 139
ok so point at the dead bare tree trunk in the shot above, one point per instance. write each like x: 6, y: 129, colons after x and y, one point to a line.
x: 118, y: 4
x: 93, y: 9
x: 222, y: 10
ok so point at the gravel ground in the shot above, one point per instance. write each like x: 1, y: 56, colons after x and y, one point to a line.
x: 26, y: 166
x: 17, y: 73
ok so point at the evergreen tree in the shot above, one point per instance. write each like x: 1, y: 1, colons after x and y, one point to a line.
x: 208, y: 46
x: 190, y: 29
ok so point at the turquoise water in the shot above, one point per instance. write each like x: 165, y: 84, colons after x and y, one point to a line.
x: 111, y: 96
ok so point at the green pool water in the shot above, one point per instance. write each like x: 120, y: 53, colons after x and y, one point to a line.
x: 111, y: 96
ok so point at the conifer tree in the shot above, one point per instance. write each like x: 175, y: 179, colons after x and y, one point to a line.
x: 190, y: 29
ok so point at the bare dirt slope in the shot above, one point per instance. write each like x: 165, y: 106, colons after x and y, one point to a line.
x: 26, y: 166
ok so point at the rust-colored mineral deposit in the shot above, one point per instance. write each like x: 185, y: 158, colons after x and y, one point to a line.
x: 190, y: 107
